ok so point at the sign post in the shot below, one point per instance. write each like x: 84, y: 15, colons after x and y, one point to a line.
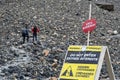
x: 90, y: 11
x: 85, y: 63
x: 89, y: 25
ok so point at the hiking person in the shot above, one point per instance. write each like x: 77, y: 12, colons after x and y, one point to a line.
x: 35, y: 30
x: 25, y: 33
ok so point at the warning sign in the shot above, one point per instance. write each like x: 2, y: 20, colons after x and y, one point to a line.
x: 89, y: 25
x: 80, y: 63
x: 68, y: 72
x: 88, y: 57
x: 85, y: 63
x: 78, y: 71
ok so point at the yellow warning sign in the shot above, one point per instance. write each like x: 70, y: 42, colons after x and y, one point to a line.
x: 93, y: 48
x: 81, y: 63
x: 74, y: 48
x: 68, y: 72
x: 88, y: 48
x: 78, y: 71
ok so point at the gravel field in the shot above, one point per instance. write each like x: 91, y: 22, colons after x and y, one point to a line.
x: 60, y: 23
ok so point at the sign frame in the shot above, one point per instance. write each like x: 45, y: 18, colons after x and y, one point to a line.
x: 104, y: 55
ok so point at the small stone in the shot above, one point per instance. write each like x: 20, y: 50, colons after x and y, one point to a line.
x: 45, y: 52
x: 53, y: 78
x: 78, y: 0
x: 27, y: 78
x: 43, y: 37
x: 2, y: 74
x: 33, y: 8
x: 64, y: 36
x: 110, y: 31
x: 54, y: 65
x: 15, y: 78
x: 108, y: 40
x: 59, y: 50
x: 115, y: 32
x: 35, y: 17
x: 55, y: 60
x: 13, y: 34
x: 42, y: 59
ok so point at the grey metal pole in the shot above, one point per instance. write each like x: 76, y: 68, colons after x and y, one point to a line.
x: 90, y: 11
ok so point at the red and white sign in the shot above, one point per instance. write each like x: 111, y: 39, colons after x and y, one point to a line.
x: 89, y: 25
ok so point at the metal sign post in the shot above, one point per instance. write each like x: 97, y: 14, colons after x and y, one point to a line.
x: 90, y: 10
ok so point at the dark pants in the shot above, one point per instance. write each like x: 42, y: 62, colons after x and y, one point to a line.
x: 34, y: 36
x: 25, y: 37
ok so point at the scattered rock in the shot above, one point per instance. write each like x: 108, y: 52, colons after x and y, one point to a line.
x: 60, y: 26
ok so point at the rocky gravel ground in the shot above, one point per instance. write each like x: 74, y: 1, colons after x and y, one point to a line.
x: 60, y: 24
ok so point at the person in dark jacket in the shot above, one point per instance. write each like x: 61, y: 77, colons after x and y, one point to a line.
x: 25, y: 34
x: 35, y: 30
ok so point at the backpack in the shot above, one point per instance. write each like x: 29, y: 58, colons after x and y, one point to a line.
x: 35, y: 29
x: 24, y: 32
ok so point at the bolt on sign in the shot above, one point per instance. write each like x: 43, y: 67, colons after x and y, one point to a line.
x: 84, y: 63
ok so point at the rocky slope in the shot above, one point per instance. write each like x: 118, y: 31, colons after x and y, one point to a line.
x: 60, y: 24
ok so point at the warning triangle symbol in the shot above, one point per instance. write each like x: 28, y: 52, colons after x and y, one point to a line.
x: 68, y: 72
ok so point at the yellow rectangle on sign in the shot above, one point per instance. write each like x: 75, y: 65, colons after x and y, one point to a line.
x: 88, y: 48
x: 74, y: 48
x: 78, y: 71
x: 94, y: 48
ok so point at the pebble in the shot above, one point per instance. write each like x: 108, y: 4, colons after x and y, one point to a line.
x: 53, y: 78
x: 46, y: 52
x: 115, y: 32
